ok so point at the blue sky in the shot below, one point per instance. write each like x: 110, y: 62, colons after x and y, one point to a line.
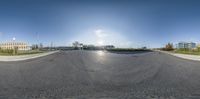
x: 124, y: 23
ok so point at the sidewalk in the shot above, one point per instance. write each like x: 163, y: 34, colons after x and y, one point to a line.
x: 184, y: 56
x: 24, y: 57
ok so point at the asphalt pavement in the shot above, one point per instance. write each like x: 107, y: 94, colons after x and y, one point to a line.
x: 101, y: 75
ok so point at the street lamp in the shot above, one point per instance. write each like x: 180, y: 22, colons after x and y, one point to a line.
x: 13, y: 39
x: 14, y: 46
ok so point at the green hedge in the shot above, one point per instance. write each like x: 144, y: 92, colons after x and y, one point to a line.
x: 18, y: 52
x: 10, y: 51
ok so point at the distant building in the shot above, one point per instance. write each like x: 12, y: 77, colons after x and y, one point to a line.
x: 12, y: 45
x: 64, y: 48
x: 144, y: 48
x: 192, y: 45
x: 108, y: 46
x: 186, y: 45
x: 89, y: 47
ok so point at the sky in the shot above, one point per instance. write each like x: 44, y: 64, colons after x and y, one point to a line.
x: 123, y: 23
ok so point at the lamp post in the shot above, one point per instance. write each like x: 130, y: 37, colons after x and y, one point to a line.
x: 14, y: 47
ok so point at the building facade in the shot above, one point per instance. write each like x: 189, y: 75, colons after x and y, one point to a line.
x: 12, y: 45
x: 108, y: 47
x: 186, y: 45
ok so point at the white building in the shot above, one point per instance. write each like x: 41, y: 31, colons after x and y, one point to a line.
x: 187, y: 45
x: 12, y: 45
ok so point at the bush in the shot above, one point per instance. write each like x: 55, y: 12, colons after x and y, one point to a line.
x: 8, y: 51
x: 198, y: 48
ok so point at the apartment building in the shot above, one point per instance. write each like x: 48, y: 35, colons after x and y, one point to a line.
x: 187, y: 45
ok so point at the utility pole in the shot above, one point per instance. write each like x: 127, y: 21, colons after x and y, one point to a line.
x: 14, y: 47
x: 51, y: 45
x: 37, y: 35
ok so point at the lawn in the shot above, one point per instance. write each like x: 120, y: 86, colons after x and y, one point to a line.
x: 187, y: 52
x: 21, y: 53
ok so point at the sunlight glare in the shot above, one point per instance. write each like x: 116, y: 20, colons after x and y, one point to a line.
x: 100, y: 53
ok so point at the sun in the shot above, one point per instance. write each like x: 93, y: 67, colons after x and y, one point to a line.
x: 100, y: 42
x: 13, y: 38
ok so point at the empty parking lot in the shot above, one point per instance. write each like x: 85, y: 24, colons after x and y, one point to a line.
x: 99, y: 74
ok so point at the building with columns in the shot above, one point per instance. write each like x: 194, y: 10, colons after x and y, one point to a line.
x: 12, y: 45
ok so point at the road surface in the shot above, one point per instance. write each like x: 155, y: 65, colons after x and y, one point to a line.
x: 102, y: 75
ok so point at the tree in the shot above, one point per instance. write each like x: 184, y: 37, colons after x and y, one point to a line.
x: 169, y: 47
x: 198, y: 48
x: 34, y: 46
x: 40, y: 46
x: 15, y: 50
x: 77, y: 45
